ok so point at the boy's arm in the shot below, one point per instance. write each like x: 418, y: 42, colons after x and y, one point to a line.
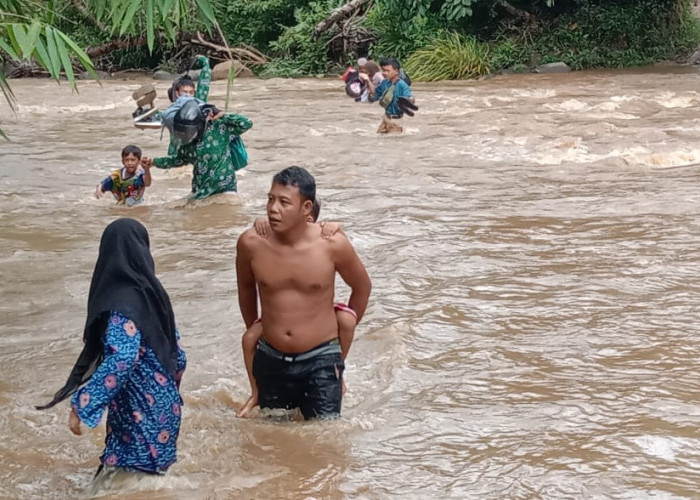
x: 247, y: 287
x: 375, y: 93
x: 368, y: 81
x: 147, y: 172
x: 103, y: 187
x: 107, y: 184
x: 204, y: 80
x: 353, y: 272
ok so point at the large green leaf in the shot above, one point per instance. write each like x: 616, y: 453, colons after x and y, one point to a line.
x: 79, y: 53
x: 9, y: 49
x: 54, y: 59
x: 28, y: 30
x: 128, y: 18
x: 65, y: 60
x: 207, y: 10
x: 7, y: 92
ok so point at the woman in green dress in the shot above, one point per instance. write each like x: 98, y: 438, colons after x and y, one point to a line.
x: 218, y: 154
x: 213, y: 161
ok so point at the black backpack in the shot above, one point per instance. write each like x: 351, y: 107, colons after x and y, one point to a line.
x: 404, y: 76
x: 189, y: 123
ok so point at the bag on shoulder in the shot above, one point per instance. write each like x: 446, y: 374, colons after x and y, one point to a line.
x: 239, y: 155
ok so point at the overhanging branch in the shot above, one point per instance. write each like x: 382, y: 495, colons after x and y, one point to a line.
x: 336, y: 15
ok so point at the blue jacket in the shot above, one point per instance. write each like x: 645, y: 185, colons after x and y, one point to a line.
x: 401, y: 89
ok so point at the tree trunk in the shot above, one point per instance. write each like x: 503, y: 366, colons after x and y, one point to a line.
x: 336, y: 15
x: 119, y: 43
x: 526, y: 16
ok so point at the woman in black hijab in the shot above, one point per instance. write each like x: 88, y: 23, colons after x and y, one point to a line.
x: 131, y: 362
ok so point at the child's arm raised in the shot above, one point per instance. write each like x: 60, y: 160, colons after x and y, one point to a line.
x: 146, y: 163
x: 204, y: 79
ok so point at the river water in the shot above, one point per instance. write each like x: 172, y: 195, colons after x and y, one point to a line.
x: 534, y: 245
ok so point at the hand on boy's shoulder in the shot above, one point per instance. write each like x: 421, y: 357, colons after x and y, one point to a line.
x: 330, y: 228
x: 250, y: 237
x: 337, y: 241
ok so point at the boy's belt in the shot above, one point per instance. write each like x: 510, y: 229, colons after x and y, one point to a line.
x: 330, y: 347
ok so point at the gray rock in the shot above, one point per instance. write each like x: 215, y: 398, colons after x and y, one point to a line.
x: 164, y: 75
x: 220, y: 71
x: 695, y: 58
x: 519, y: 68
x: 194, y: 74
x: 557, y: 67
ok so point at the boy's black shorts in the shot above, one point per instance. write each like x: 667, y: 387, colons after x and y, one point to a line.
x: 311, y: 381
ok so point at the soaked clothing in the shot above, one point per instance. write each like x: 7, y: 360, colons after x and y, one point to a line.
x: 127, y: 192
x: 218, y: 155
x: 388, y: 93
x: 389, y: 125
x: 214, y: 166
x: 310, y: 381
x: 143, y: 400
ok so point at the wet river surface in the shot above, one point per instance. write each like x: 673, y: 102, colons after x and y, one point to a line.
x: 534, y: 246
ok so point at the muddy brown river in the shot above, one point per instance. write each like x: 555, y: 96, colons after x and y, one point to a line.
x: 534, y: 327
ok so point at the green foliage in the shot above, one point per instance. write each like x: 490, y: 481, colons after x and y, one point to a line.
x: 399, y: 37
x: 256, y: 22
x: 454, y: 10
x: 296, y: 53
x: 618, y: 35
x: 507, y: 53
x: 49, y: 46
x: 28, y: 29
x: 449, y: 57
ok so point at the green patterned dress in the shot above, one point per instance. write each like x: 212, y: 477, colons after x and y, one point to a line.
x: 214, y: 169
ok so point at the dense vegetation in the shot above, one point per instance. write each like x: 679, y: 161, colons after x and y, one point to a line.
x: 464, y: 38
x: 437, y: 39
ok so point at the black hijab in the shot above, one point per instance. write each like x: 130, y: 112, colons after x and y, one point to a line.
x: 124, y: 281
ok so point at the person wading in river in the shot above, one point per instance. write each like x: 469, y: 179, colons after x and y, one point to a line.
x: 393, y: 94
x: 299, y: 359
